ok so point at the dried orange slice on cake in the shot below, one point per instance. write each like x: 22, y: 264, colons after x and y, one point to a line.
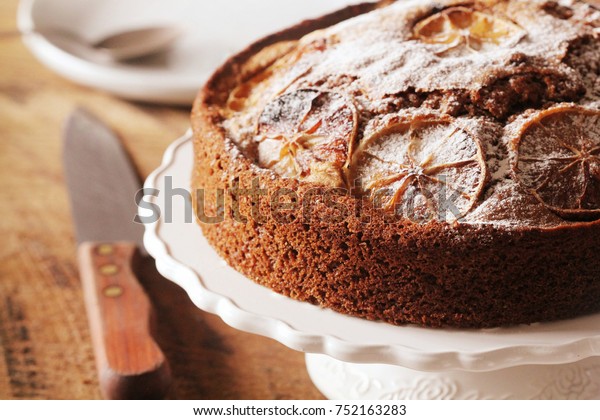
x: 424, y: 169
x: 275, y: 79
x: 307, y: 134
x: 558, y: 160
x: 465, y: 30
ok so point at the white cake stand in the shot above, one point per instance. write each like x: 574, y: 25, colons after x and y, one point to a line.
x: 353, y: 358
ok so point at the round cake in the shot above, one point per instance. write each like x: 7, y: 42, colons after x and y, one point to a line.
x: 425, y: 162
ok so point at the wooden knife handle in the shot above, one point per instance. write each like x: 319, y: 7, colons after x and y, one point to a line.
x: 130, y: 363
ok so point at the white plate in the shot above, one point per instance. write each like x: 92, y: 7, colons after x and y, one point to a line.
x: 183, y: 255
x: 213, y: 30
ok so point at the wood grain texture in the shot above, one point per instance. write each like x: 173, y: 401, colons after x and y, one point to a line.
x: 45, y: 344
x: 129, y: 362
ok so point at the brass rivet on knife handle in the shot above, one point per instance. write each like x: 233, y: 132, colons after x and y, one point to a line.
x: 112, y: 291
x: 108, y: 269
x: 105, y: 249
x: 130, y: 363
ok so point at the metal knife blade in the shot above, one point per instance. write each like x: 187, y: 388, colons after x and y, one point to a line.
x: 102, y: 184
x: 101, y: 180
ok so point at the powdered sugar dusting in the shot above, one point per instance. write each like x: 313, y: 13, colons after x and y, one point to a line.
x: 486, y: 83
x: 431, y: 159
x: 418, y: 65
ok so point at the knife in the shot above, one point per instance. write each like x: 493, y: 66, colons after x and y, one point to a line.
x: 102, y: 185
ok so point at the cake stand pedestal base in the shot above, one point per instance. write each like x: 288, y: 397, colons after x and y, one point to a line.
x: 341, y: 380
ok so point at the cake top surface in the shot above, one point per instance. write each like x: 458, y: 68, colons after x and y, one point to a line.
x: 468, y: 112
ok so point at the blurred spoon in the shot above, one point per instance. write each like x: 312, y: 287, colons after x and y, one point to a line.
x: 120, y: 46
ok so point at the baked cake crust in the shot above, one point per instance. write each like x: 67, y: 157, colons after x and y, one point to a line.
x: 513, y: 253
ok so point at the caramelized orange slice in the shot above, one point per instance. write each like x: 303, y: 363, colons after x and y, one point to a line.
x: 424, y: 169
x: 275, y: 79
x: 558, y: 160
x: 460, y: 28
x: 307, y: 134
x: 241, y: 97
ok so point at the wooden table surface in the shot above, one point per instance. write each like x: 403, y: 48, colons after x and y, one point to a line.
x: 45, y: 347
